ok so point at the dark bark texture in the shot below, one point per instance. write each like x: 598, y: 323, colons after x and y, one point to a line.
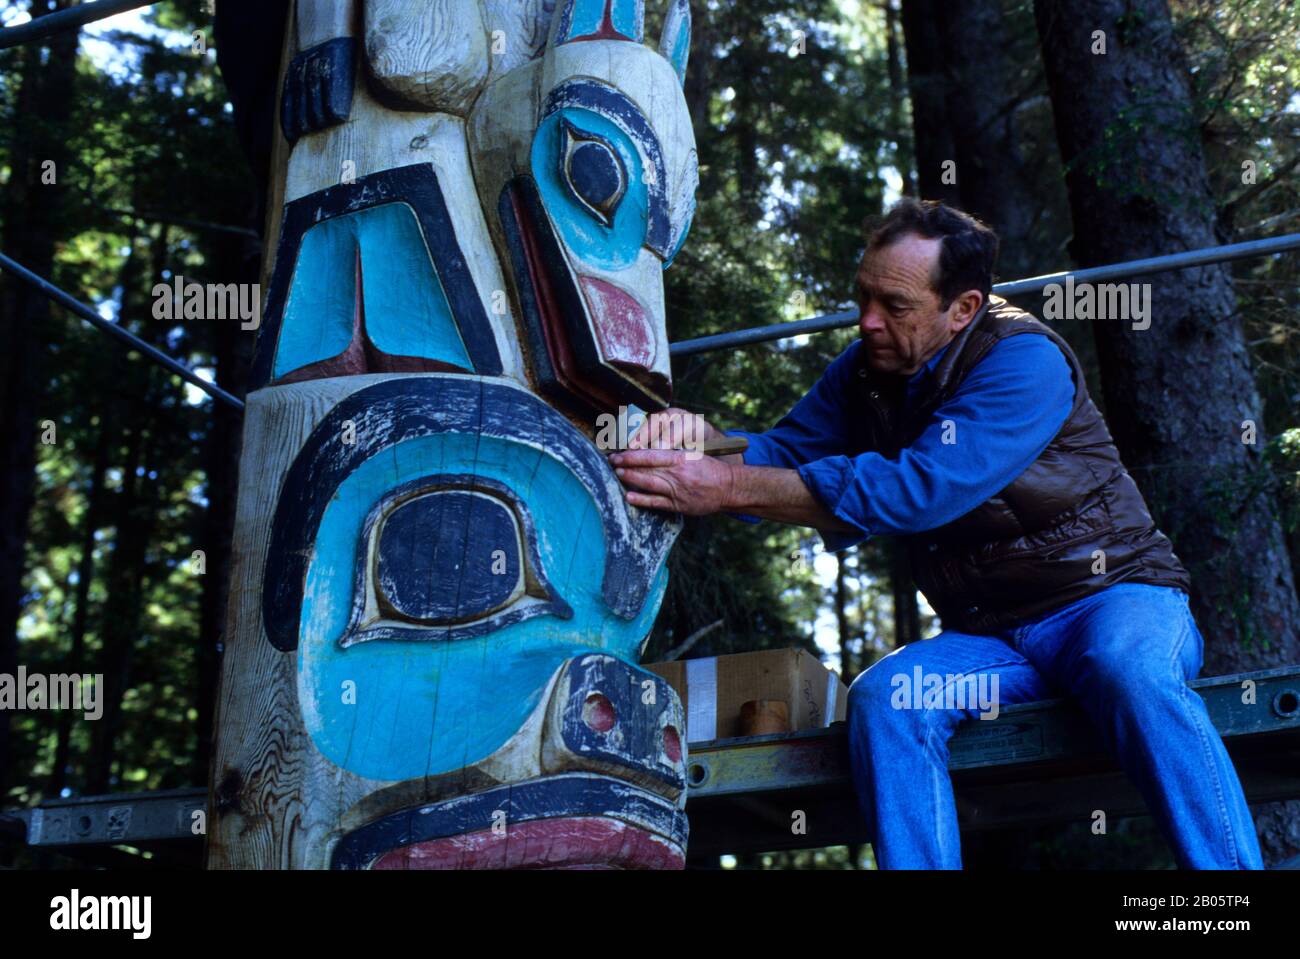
x: 926, y: 82
x: 33, y: 223
x: 1178, y: 393
x: 981, y: 99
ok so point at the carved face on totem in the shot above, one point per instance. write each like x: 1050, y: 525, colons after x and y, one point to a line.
x: 451, y: 557
x: 586, y: 160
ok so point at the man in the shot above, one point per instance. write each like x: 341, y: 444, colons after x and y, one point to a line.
x: 964, y: 426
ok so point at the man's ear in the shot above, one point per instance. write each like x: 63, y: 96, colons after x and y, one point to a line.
x: 963, y: 310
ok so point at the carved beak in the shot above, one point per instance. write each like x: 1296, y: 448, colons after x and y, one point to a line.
x: 591, y: 341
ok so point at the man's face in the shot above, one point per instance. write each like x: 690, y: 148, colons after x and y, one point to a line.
x: 901, y: 321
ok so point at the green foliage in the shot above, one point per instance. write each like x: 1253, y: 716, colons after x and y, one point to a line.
x: 799, y: 133
x: 152, y: 134
x: 790, y: 166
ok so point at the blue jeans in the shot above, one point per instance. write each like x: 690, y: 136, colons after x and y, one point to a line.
x: 1124, y: 654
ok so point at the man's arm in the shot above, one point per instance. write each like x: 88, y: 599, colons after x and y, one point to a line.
x: 816, y: 426
x: 1002, y: 417
x: 676, y: 481
x: 1004, y: 414
x: 781, y: 495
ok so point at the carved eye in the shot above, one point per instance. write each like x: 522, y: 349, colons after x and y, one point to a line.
x: 593, y: 171
x: 447, y: 557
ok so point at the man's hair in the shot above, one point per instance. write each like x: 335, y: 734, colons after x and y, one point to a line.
x: 967, y: 253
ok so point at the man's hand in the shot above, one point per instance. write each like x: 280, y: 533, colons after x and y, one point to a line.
x: 661, y: 475
x: 682, y: 483
x: 675, y: 481
x: 676, y: 429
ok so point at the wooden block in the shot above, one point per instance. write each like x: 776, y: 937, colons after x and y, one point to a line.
x: 759, y: 717
x: 714, y: 690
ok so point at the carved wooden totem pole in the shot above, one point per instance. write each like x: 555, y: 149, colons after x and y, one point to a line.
x: 439, y: 592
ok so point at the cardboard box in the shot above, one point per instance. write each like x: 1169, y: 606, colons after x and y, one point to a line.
x: 713, y: 690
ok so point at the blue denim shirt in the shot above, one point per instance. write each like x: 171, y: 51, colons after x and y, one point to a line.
x: 1003, y: 415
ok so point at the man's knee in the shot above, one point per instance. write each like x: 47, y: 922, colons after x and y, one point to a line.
x: 1145, y: 650
x: 868, y: 693
x: 882, y: 697
x: 871, y: 694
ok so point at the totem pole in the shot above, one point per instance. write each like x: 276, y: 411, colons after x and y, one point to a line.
x: 439, y: 592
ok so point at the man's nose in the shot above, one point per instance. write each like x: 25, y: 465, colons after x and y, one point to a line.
x: 870, y: 321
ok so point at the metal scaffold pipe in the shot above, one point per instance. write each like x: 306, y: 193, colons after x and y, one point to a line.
x: 117, y: 331
x: 1113, y: 271
x: 39, y: 28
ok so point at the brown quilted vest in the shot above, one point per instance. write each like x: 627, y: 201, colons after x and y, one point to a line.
x: 1033, y: 547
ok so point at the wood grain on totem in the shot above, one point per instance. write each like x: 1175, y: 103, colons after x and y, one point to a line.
x: 431, y: 56
x: 271, y: 778
x: 278, y: 800
x: 317, y: 21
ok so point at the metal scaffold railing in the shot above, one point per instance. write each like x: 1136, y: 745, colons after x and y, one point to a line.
x: 737, y: 338
x: 117, y: 331
x: 1096, y: 274
x: 38, y: 28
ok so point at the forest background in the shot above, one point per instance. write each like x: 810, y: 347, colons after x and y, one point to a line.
x: 809, y: 116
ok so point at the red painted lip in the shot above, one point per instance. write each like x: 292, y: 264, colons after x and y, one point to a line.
x: 570, y: 842
x: 601, y: 347
x: 624, y: 330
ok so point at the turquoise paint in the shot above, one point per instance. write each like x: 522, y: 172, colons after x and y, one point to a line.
x: 406, y: 309
x: 322, y: 298
x: 407, y: 313
x: 584, y: 18
x: 588, y: 14
x: 612, y: 247
x: 681, y: 50
x: 428, y: 707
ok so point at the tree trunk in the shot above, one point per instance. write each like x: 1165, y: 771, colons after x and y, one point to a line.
x: 135, y: 515
x: 847, y: 671
x: 747, y: 109
x: 32, y: 225
x: 980, y: 97
x: 907, y: 613
x: 91, y: 522
x: 898, y: 92
x: 931, y: 131
x: 1179, y: 392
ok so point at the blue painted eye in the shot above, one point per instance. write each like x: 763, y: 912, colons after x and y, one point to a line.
x: 593, y: 172
x: 447, y: 557
x: 435, y: 558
